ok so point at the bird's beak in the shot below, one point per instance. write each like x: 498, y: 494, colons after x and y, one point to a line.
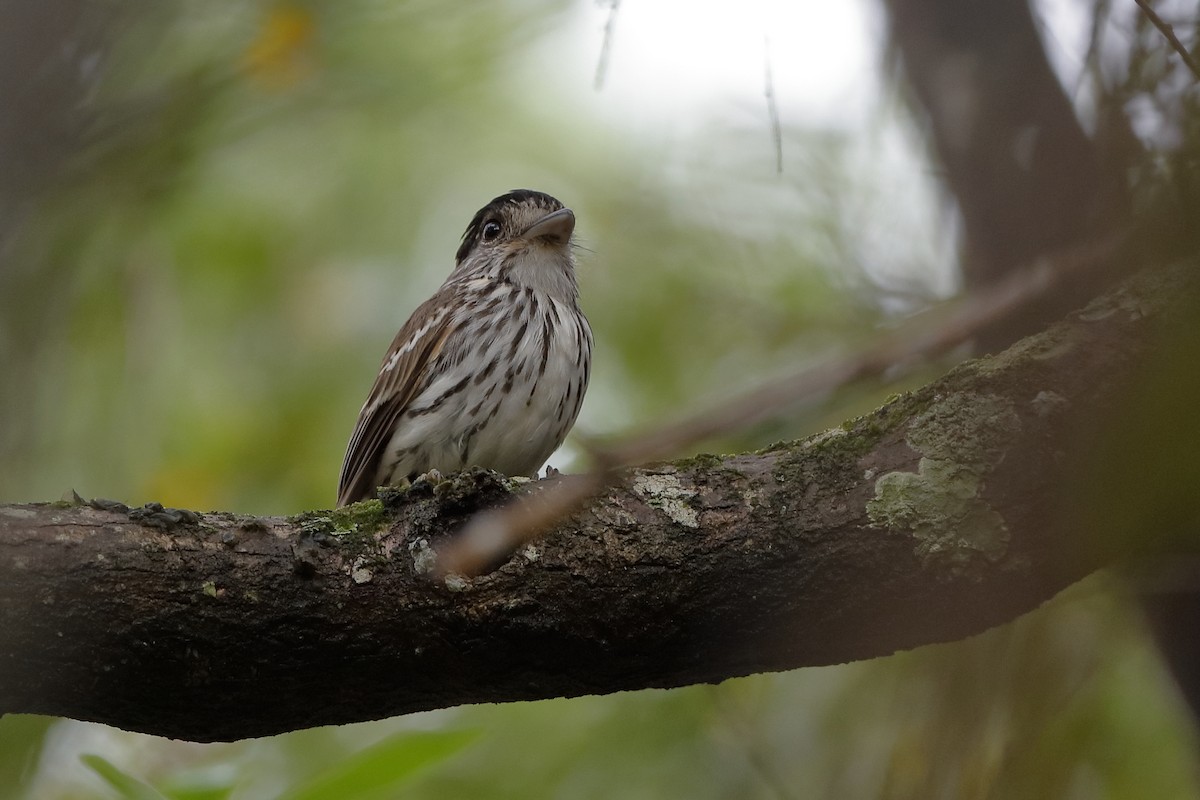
x: 556, y: 227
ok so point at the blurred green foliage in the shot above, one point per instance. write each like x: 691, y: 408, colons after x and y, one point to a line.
x: 270, y: 190
x: 124, y: 784
x: 264, y: 192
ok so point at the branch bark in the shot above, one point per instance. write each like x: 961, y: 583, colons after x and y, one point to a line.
x: 935, y: 517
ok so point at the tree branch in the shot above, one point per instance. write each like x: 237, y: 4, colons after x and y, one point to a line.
x: 1168, y: 33
x: 935, y: 517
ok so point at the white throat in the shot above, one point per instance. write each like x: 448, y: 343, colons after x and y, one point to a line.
x: 547, y: 269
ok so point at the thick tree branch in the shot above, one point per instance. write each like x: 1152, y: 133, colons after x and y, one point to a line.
x: 935, y: 517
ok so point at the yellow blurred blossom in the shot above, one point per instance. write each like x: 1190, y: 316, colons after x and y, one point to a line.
x: 282, y: 53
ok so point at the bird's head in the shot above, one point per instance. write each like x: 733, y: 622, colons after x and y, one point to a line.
x: 523, y: 236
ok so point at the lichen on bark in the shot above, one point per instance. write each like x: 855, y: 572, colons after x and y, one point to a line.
x: 961, y: 439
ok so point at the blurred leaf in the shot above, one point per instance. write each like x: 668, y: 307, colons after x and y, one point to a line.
x: 377, y: 770
x: 22, y: 738
x: 213, y: 782
x: 128, y: 786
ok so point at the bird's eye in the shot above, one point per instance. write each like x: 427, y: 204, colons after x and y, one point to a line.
x: 491, y: 230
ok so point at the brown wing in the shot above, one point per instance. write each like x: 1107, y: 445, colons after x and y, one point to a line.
x: 413, y: 350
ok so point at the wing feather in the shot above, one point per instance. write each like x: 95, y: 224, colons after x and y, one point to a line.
x: 404, y: 372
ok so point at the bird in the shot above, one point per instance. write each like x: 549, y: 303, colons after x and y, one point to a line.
x: 491, y: 370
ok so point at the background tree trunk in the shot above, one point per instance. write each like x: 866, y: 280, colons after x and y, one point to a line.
x: 1027, y: 179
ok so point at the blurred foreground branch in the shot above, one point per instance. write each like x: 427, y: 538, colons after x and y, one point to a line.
x: 947, y: 511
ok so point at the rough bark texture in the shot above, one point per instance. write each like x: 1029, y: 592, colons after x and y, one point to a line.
x: 935, y: 517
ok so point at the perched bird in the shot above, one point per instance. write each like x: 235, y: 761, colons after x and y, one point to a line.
x: 491, y: 370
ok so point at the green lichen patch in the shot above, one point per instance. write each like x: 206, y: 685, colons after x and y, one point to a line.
x: 868, y: 429
x: 961, y: 439
x: 702, y: 461
x: 947, y: 518
x: 832, y: 456
x: 965, y: 427
x: 365, y: 516
x: 312, y: 523
x: 664, y: 491
x: 355, y: 528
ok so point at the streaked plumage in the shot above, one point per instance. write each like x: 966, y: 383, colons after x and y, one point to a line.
x: 492, y: 369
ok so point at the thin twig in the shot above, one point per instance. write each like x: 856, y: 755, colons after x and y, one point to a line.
x: 1169, y: 33
x: 772, y: 105
x: 610, y: 27
x: 492, y: 536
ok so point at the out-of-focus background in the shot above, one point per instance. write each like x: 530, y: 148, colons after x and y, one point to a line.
x: 214, y: 216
